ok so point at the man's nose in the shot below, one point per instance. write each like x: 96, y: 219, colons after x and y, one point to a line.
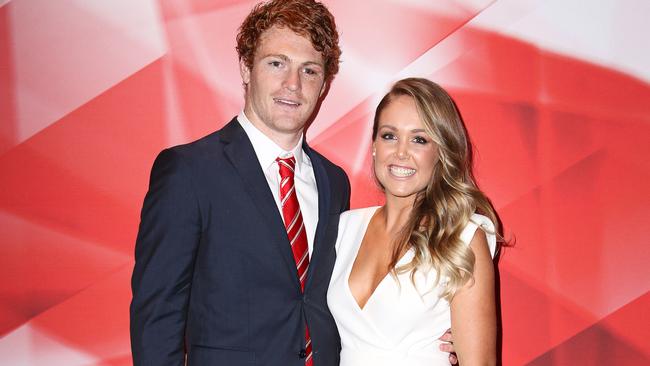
x: 292, y: 81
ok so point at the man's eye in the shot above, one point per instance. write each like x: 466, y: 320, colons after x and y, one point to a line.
x: 420, y: 140
x: 275, y: 63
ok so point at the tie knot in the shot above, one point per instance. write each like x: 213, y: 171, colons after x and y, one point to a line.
x: 287, y: 166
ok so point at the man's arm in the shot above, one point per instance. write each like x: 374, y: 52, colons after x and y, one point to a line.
x: 447, y: 345
x: 164, y: 258
x: 348, y: 189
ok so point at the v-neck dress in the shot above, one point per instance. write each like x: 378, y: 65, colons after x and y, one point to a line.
x: 401, y: 322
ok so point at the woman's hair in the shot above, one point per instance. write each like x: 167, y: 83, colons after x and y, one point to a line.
x: 445, y: 206
x: 307, y: 18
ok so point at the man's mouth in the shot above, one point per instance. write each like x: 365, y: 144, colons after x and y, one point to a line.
x: 287, y: 102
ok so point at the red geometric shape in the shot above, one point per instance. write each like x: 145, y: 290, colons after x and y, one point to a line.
x: 203, y: 109
x: 173, y: 9
x: 42, y: 268
x: 378, y: 45
x: 392, y: 34
x: 348, y: 144
x: 631, y: 323
x: 86, y: 174
x: 534, y: 319
x: 101, y: 326
x: 598, y: 345
x: 8, y: 128
x: 501, y: 131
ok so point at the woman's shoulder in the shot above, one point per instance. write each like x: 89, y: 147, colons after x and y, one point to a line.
x: 353, y: 224
x: 358, y: 214
x: 486, y: 225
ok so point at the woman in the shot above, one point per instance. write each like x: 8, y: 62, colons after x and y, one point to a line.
x: 407, y: 271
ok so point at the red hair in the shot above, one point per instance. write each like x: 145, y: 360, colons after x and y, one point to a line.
x: 307, y: 18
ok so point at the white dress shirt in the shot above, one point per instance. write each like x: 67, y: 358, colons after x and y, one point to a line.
x: 305, y: 181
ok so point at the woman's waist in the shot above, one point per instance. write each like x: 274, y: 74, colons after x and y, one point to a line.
x: 403, y: 357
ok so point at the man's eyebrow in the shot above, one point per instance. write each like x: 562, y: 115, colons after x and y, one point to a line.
x: 286, y: 58
x: 280, y: 56
x: 313, y: 63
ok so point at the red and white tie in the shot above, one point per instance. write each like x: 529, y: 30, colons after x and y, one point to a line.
x: 295, y: 231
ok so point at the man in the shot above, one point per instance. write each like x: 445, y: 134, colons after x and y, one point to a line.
x: 233, y: 262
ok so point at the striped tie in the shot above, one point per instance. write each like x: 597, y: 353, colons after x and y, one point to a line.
x: 295, y: 231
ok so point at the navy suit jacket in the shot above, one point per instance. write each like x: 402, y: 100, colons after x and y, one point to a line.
x: 214, y: 276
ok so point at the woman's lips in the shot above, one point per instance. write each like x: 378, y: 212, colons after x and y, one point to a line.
x: 401, y: 171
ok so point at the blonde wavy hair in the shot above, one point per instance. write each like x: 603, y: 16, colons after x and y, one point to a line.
x: 444, y: 207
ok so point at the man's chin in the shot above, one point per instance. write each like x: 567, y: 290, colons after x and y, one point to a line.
x: 291, y: 125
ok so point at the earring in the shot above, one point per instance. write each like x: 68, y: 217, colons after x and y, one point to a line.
x: 374, y: 153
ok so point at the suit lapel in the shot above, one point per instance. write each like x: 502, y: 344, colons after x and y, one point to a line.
x: 239, y: 150
x: 324, y: 195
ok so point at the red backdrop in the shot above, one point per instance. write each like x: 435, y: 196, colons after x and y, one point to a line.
x: 555, y: 94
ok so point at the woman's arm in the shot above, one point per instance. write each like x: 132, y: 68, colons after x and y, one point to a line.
x: 473, y: 310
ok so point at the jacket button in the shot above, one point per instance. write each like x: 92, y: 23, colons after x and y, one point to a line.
x: 302, y: 354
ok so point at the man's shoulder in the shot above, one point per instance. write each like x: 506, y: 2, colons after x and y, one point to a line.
x: 198, y: 146
x: 203, y: 146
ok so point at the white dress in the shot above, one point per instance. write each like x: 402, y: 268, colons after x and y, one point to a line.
x: 400, y: 324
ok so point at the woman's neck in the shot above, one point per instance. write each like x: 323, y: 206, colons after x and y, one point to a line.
x: 396, y: 213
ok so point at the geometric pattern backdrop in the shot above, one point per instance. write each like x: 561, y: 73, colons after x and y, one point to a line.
x: 555, y: 94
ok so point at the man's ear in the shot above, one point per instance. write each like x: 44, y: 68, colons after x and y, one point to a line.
x: 244, y: 71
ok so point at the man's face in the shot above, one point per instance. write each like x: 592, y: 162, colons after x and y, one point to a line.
x: 284, y: 84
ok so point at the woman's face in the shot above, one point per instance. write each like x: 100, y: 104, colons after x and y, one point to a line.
x: 405, y: 155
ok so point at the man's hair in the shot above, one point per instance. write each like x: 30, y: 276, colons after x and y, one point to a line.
x: 308, y: 18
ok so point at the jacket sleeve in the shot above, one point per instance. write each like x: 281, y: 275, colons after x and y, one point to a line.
x: 346, y: 201
x: 168, y: 237
x: 346, y: 191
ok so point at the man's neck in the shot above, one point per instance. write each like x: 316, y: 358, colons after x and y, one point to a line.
x: 286, y: 140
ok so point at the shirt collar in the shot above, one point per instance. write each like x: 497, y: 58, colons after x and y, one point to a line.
x: 267, y: 150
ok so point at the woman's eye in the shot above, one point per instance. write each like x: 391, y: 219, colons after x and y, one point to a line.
x: 420, y: 140
x: 275, y: 63
x: 388, y: 136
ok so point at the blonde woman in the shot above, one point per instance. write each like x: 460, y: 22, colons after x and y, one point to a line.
x: 409, y: 270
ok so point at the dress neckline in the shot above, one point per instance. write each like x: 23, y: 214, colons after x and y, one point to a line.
x: 365, y: 223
